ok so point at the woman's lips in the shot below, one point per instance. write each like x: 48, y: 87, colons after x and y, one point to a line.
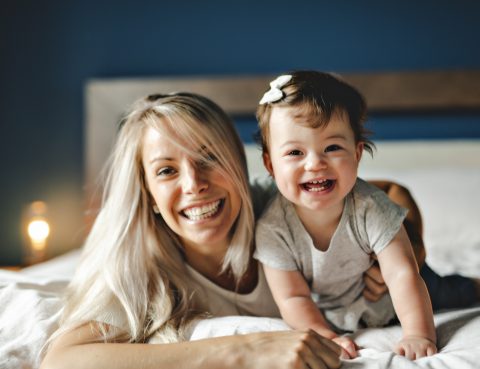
x: 204, y: 211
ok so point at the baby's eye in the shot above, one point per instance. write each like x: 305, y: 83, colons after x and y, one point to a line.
x: 332, y: 148
x: 166, y: 171
x: 294, y: 153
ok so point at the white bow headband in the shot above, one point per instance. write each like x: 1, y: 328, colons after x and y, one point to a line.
x: 275, y: 93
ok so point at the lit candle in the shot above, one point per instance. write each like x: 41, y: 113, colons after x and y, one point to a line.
x: 38, y: 231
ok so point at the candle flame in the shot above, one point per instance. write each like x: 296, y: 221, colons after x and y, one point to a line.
x: 38, y: 231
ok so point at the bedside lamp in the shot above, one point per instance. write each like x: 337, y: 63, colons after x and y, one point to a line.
x: 38, y: 231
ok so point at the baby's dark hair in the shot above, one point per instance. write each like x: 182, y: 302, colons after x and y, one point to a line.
x: 317, y: 97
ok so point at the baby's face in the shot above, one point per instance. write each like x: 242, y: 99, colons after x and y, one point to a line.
x: 314, y: 168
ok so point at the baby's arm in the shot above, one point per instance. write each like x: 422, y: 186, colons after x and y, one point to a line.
x: 292, y: 295
x: 410, y: 298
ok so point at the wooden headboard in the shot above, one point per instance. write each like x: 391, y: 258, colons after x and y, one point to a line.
x: 108, y: 99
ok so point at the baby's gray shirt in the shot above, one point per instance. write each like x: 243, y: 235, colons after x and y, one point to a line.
x: 368, y: 223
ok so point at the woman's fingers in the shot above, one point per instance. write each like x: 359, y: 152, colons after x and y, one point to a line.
x: 292, y: 350
x: 375, y: 286
x: 375, y: 274
x: 324, y: 349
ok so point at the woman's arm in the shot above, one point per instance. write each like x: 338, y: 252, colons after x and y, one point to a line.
x: 289, y: 349
x: 410, y: 298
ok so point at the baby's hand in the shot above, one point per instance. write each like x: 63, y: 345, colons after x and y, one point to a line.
x: 415, y: 347
x: 349, y: 348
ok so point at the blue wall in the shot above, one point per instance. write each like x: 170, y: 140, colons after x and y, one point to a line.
x: 48, y: 49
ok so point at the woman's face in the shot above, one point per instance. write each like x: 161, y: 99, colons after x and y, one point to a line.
x: 195, y: 199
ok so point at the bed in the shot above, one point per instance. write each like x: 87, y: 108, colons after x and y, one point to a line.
x: 443, y: 176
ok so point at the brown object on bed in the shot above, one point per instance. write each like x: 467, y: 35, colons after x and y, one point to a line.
x: 413, y: 222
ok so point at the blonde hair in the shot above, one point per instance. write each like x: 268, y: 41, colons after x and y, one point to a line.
x: 317, y: 96
x: 132, y: 260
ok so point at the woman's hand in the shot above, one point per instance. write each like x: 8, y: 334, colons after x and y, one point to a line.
x: 375, y: 286
x: 415, y: 347
x: 290, y: 350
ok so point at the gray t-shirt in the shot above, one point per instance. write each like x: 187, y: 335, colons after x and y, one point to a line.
x: 369, y: 222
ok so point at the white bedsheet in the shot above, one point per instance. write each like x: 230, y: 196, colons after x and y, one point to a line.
x: 31, y: 307
x: 458, y: 340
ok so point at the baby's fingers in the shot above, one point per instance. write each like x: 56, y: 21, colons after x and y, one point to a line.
x: 349, y: 347
x: 415, y: 349
x: 431, y: 350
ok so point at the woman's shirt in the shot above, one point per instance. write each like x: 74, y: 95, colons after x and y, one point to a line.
x: 211, y: 298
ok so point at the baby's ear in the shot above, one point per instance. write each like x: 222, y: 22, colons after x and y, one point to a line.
x: 267, y: 162
x: 359, y: 151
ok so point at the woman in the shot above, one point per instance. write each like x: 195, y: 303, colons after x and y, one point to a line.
x: 177, y: 219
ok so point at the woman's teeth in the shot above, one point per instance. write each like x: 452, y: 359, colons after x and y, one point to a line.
x: 202, y: 212
x: 317, y: 186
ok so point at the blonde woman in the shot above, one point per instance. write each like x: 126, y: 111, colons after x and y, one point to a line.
x: 176, y: 219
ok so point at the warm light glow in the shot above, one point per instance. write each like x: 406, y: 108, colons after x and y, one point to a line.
x: 38, y: 230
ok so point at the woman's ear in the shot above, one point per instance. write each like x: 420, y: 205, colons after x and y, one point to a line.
x: 267, y: 162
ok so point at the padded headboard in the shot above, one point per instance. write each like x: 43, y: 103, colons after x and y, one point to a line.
x: 108, y: 99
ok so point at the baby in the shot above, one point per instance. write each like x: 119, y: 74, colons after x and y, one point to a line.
x: 317, y: 237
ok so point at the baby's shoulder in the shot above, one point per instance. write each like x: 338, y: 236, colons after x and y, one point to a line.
x: 367, y: 198
x: 277, y: 214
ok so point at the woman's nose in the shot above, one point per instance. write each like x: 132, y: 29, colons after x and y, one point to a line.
x: 315, y: 162
x: 194, y: 180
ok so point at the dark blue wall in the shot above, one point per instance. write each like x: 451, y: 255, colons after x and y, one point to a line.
x: 48, y: 49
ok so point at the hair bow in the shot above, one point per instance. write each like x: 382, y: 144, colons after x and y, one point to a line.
x: 275, y: 93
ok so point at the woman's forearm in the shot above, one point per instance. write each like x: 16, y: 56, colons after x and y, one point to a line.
x: 75, y: 349
x: 211, y: 354
x: 255, y: 350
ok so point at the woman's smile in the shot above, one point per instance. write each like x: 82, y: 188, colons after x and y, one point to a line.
x: 206, y: 211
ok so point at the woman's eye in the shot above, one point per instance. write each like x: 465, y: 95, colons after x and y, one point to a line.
x: 167, y: 171
x: 332, y: 148
x: 210, y: 157
x: 207, y: 161
x: 295, y: 153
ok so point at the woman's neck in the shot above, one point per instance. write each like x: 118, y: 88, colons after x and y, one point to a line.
x: 210, y: 266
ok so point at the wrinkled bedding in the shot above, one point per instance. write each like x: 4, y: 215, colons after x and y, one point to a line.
x: 31, y: 307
